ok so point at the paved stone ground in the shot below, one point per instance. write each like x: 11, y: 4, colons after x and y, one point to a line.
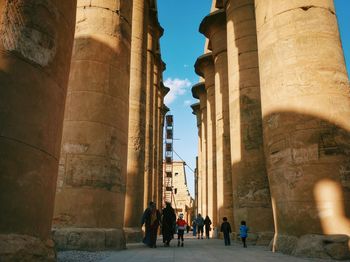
x: 194, y: 250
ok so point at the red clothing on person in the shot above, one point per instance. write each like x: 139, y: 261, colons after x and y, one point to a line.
x: 181, y: 224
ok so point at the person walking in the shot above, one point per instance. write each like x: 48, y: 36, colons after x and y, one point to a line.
x: 207, y: 223
x: 243, y: 230
x: 226, y: 229
x: 200, y: 225
x: 151, y: 219
x: 168, y: 224
x: 181, y: 225
x: 194, y: 227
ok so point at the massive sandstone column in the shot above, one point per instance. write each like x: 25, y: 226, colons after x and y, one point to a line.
x: 136, y: 131
x: 196, y: 111
x: 155, y: 31
x: 251, y: 194
x: 198, y: 91
x: 35, y: 51
x: 91, y: 185
x: 213, y: 27
x: 204, y: 67
x: 306, y: 112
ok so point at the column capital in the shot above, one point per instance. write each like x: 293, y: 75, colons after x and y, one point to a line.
x: 154, y: 23
x: 202, y: 62
x: 220, y: 3
x: 164, y: 109
x: 198, y: 90
x: 196, y: 111
x: 196, y: 108
x: 164, y: 89
x: 212, y: 22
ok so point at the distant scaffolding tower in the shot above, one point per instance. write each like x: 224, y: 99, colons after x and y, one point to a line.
x: 168, y: 176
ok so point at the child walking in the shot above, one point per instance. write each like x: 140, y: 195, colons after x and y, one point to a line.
x: 226, y: 229
x: 243, y: 229
x: 181, y: 225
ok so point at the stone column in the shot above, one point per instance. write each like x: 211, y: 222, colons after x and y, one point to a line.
x: 213, y: 27
x: 196, y: 111
x: 198, y: 91
x: 198, y: 196
x: 91, y: 184
x: 156, y: 126
x: 35, y: 51
x: 204, y: 67
x: 306, y: 112
x: 136, y: 131
x: 155, y: 31
x: 251, y: 194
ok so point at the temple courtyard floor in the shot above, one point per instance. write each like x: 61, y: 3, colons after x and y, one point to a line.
x: 202, y: 250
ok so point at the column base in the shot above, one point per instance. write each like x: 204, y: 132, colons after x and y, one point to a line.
x: 133, y: 234
x: 89, y: 239
x: 255, y: 239
x: 313, y: 246
x: 14, y: 247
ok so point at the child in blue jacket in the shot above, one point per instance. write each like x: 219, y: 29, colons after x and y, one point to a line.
x: 243, y: 229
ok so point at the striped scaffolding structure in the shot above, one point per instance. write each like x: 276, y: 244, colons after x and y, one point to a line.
x: 168, y: 164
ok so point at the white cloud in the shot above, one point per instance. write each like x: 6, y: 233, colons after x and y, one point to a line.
x: 178, y: 87
x: 188, y: 102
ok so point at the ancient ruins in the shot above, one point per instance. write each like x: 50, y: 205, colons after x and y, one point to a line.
x: 82, y: 115
x: 273, y: 124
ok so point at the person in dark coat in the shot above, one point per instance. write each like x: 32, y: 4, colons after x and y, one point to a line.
x: 226, y: 229
x: 168, y: 224
x: 207, y: 223
x: 151, y: 219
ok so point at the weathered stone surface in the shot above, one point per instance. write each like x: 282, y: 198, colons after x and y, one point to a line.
x: 320, y: 246
x: 305, y: 110
x: 35, y: 51
x: 91, y: 183
x: 89, y: 239
x: 134, y: 200
x: 15, y: 247
x: 284, y: 243
x: 213, y: 27
x: 133, y: 235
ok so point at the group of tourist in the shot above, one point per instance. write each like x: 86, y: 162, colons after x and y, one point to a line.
x: 152, y: 219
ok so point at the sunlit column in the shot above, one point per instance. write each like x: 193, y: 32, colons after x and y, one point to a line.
x: 306, y: 112
x: 251, y: 193
x: 137, y: 112
x: 91, y: 185
x: 154, y: 33
x: 198, y: 91
x: 36, y: 42
x: 204, y: 67
x: 213, y: 27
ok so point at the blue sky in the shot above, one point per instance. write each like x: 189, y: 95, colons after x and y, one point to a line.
x: 180, y: 47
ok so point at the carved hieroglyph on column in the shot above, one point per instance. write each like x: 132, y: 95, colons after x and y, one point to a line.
x: 36, y: 39
x: 306, y: 112
x: 213, y: 27
x: 198, y: 91
x: 204, y: 67
x: 137, y: 113
x: 251, y: 194
x: 91, y: 186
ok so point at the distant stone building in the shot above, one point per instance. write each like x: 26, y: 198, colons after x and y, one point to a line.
x: 182, y: 201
